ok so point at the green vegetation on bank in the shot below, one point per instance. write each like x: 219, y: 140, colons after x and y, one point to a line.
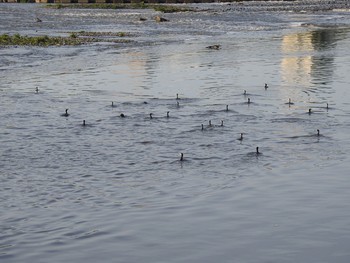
x: 72, y: 40
x: 42, y: 41
x: 156, y: 7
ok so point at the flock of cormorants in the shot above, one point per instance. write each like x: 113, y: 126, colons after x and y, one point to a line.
x: 257, y: 152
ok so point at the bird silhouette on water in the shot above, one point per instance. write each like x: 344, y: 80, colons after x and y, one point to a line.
x: 257, y: 151
x: 65, y: 114
x: 290, y: 102
x: 181, y: 157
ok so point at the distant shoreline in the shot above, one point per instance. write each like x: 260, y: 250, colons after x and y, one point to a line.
x: 275, y: 5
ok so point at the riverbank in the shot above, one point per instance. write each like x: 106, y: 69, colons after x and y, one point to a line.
x: 304, y: 5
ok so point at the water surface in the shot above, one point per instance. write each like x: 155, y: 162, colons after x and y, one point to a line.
x: 115, y: 190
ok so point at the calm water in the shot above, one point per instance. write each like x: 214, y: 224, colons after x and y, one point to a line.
x: 115, y: 190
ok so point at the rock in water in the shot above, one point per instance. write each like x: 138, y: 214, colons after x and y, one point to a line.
x: 214, y: 47
x: 160, y: 19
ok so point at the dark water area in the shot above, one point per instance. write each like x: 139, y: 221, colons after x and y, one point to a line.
x: 115, y: 190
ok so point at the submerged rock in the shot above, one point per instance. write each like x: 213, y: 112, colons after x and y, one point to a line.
x: 214, y: 47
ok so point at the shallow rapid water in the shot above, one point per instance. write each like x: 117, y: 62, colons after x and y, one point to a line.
x: 115, y: 190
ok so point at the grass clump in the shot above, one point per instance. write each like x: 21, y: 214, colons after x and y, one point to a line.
x: 74, y: 39
x: 73, y: 35
x: 41, y: 41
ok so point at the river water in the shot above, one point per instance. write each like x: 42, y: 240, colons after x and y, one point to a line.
x: 115, y: 189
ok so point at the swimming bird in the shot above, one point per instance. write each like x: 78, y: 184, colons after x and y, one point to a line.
x: 37, y: 90
x: 290, y: 102
x: 83, y: 122
x: 310, y: 111
x: 65, y: 114
x: 167, y: 114
x: 266, y: 86
x: 150, y: 115
x: 241, y: 138
x: 257, y: 151
x: 226, y: 107
x: 248, y: 101
x: 182, y: 157
x: 122, y: 115
x: 318, y: 132
x: 222, y: 123
x: 244, y: 92
x: 113, y: 105
x: 209, y: 123
x: 177, y: 96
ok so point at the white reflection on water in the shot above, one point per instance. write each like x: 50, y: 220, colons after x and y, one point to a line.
x: 301, y: 64
x: 309, y: 62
